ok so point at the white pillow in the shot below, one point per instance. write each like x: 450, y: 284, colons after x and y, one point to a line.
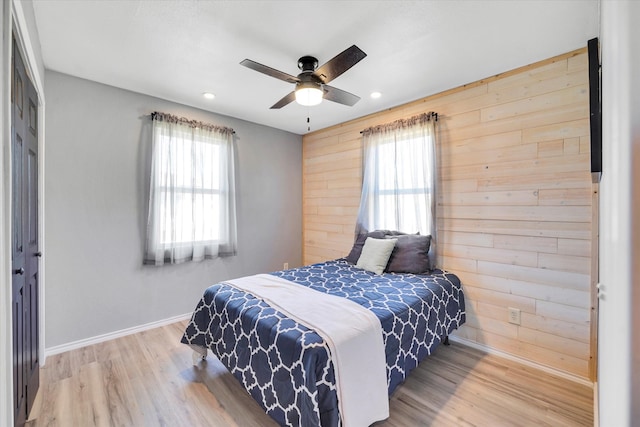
x: 375, y: 254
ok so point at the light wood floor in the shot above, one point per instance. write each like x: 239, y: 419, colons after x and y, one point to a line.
x: 148, y: 379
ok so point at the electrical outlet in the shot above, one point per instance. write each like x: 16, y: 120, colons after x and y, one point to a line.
x: 286, y: 266
x: 514, y: 316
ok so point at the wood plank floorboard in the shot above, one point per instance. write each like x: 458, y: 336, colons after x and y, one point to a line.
x: 147, y: 379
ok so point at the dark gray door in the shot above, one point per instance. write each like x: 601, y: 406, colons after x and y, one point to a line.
x: 25, y: 251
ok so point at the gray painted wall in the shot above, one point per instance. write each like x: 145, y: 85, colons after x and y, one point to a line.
x: 96, y: 165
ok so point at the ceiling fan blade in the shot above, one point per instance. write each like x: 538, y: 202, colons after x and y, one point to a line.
x: 269, y: 71
x: 284, y: 101
x: 340, y: 96
x: 340, y: 63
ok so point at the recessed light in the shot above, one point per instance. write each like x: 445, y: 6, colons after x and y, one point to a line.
x: 208, y: 95
x: 375, y: 95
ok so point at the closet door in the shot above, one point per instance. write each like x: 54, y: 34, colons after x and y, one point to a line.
x: 25, y: 252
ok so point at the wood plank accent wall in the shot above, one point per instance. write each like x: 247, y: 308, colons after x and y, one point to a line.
x: 514, y: 209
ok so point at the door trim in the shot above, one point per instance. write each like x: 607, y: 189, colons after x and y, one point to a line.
x: 6, y: 328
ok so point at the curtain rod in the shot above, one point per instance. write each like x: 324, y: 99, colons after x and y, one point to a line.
x: 194, y: 123
x: 429, y: 116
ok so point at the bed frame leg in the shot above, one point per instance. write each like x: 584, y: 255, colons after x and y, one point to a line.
x: 445, y: 341
x: 199, y: 353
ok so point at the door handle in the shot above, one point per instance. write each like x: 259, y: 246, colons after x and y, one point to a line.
x: 19, y: 271
x: 38, y: 254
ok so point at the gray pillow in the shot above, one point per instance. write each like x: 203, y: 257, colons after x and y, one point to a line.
x: 356, y: 250
x: 410, y: 254
x: 375, y: 254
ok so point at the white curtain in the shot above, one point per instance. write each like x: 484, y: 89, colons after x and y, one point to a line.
x: 192, y: 212
x: 399, y: 178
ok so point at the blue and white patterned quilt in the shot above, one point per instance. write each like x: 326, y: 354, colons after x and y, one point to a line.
x: 287, y: 368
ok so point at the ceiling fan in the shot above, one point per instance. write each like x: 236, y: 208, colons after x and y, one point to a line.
x: 311, y: 83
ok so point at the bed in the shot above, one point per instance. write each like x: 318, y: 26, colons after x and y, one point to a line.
x: 287, y: 367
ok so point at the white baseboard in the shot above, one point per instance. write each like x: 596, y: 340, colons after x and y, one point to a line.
x: 522, y: 361
x: 112, y: 335
x: 129, y: 331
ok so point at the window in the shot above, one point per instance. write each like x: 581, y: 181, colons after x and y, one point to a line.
x: 401, y: 189
x: 192, y: 202
x: 399, y: 179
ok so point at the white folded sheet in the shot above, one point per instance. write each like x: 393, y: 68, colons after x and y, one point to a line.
x: 354, y: 336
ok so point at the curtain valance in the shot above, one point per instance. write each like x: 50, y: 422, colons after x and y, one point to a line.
x: 401, y: 123
x: 170, y: 118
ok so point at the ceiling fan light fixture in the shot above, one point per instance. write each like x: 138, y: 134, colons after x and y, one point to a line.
x: 312, y: 84
x: 309, y: 94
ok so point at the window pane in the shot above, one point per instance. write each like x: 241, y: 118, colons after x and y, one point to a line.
x: 386, y: 167
x: 209, y: 161
x: 182, y: 162
x: 211, y: 211
x: 196, y: 218
x: 413, y: 217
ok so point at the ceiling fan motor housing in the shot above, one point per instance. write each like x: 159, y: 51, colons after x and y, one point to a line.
x: 307, y: 63
x: 307, y: 79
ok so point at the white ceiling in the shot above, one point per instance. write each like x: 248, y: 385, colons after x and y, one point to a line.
x: 176, y: 50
